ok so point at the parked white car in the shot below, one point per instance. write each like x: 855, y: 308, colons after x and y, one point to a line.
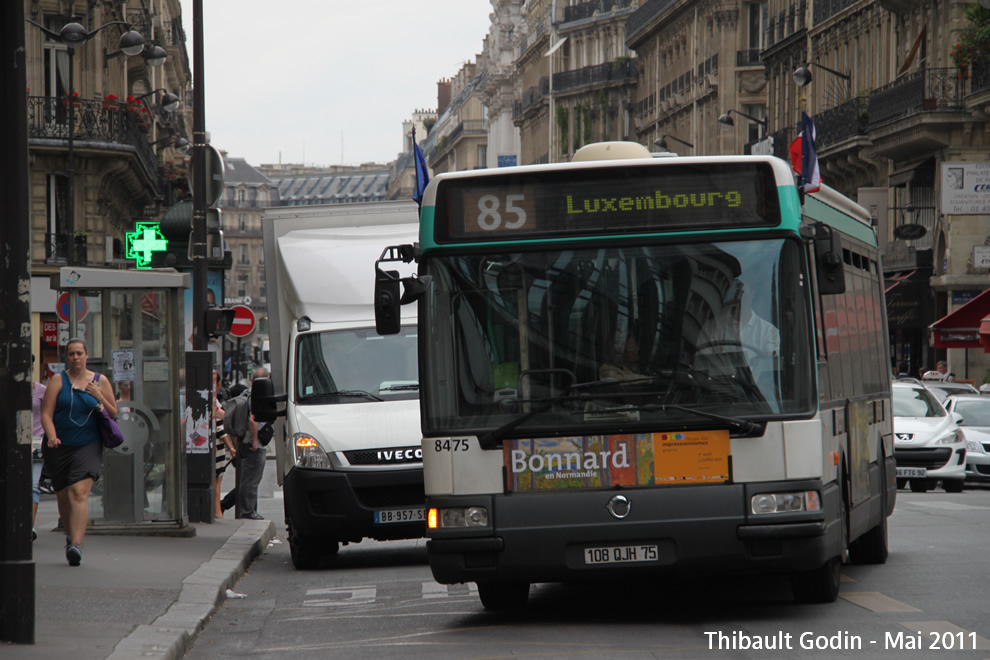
x: 975, y: 425
x: 928, y: 445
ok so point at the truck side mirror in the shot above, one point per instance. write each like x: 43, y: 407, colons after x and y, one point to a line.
x: 264, y: 402
x: 387, y: 316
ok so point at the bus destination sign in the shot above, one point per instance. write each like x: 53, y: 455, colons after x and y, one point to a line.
x: 610, y: 201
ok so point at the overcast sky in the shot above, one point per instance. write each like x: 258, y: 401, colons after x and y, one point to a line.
x: 327, y: 82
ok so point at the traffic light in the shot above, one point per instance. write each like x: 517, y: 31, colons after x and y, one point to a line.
x: 219, y: 321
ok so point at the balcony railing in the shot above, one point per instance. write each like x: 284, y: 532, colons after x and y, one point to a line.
x: 927, y: 90
x: 749, y: 57
x: 646, y: 14
x: 587, y: 9
x: 981, y: 76
x: 826, y: 9
x: 842, y: 122
x: 48, y: 119
x: 57, y: 250
x: 621, y: 71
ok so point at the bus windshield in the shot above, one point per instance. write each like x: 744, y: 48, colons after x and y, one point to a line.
x: 348, y: 366
x: 632, y: 336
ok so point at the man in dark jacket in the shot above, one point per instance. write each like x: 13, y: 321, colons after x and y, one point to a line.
x: 250, y: 464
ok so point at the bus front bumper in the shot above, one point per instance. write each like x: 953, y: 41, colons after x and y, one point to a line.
x: 544, y: 537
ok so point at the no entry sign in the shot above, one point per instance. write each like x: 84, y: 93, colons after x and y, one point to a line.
x: 244, y: 320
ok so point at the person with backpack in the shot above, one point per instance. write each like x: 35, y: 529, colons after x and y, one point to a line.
x: 250, y: 456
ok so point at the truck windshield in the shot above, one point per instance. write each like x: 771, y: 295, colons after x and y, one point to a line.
x: 354, y: 365
x: 636, y: 337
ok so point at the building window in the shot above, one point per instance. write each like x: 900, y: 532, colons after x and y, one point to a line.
x: 242, y: 285
x: 482, y: 156
x: 757, y: 25
x: 242, y: 255
x: 242, y: 221
x: 755, y: 130
x: 241, y: 197
x: 57, y: 199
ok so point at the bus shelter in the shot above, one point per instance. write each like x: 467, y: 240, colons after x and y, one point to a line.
x: 132, y: 323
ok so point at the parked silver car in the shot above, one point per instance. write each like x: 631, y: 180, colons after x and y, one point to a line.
x: 928, y: 445
x: 975, y: 425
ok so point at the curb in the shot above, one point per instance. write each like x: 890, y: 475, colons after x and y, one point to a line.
x: 172, y: 634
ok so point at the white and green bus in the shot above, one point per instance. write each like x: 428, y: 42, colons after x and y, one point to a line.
x: 647, y: 366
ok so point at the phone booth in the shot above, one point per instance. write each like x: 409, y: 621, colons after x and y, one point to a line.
x: 132, y: 323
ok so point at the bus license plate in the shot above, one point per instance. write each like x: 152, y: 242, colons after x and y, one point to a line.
x: 620, y: 554
x: 399, y: 516
x: 918, y: 473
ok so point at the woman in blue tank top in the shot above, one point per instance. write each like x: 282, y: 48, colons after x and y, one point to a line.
x: 73, y: 450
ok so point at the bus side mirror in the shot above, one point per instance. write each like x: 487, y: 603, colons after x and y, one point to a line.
x: 387, y: 316
x: 828, y: 261
x: 264, y: 402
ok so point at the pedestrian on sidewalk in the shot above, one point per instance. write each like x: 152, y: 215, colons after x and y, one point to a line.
x: 73, y: 452
x: 250, y: 462
x: 225, y: 450
x: 37, y: 437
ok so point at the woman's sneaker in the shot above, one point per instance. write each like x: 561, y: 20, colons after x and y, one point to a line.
x: 74, y: 554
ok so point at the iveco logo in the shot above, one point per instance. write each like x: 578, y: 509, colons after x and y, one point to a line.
x: 398, y: 455
x: 904, y: 437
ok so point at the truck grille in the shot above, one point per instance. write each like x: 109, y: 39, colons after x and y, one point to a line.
x: 391, y: 496
x: 388, y: 456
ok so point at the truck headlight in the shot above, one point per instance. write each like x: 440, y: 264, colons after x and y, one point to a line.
x: 472, y: 516
x: 308, y: 453
x: 785, y: 502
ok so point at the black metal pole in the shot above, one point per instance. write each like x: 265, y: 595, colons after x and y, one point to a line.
x: 199, y: 374
x: 70, y: 215
x: 199, y: 183
x: 17, y: 584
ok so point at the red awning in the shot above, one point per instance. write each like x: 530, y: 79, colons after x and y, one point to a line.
x: 961, y: 328
x: 985, y: 334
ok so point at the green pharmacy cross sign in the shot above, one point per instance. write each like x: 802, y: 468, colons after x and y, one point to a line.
x: 145, y: 239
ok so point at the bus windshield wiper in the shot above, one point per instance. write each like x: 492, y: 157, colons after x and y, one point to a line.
x: 360, y: 394
x: 744, y: 425
x: 400, y: 388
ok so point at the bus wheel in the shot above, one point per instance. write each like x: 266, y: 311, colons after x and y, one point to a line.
x: 871, y: 548
x: 503, y: 595
x: 921, y: 485
x: 820, y: 585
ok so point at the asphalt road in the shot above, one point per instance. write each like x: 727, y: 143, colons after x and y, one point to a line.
x: 378, y: 600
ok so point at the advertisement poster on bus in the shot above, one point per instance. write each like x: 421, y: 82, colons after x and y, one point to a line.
x: 642, y: 459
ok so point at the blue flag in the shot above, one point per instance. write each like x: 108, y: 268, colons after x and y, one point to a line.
x: 422, y: 173
x: 809, y: 155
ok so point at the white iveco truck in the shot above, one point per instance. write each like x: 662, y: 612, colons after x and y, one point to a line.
x: 348, y: 451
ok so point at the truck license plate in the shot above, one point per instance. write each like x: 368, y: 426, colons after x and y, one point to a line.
x: 620, y: 554
x: 905, y: 472
x: 388, y: 516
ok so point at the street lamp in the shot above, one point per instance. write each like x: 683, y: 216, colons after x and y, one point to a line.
x: 726, y: 118
x: 180, y: 144
x: 169, y: 102
x: 802, y: 75
x: 74, y: 35
x: 662, y: 142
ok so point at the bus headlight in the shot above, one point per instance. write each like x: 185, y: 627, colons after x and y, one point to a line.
x: 308, y: 453
x: 786, y: 502
x: 472, y: 516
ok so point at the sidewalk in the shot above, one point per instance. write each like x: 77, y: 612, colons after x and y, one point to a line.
x: 139, y: 596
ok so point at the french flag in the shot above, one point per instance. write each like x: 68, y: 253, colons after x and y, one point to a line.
x: 804, y: 156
